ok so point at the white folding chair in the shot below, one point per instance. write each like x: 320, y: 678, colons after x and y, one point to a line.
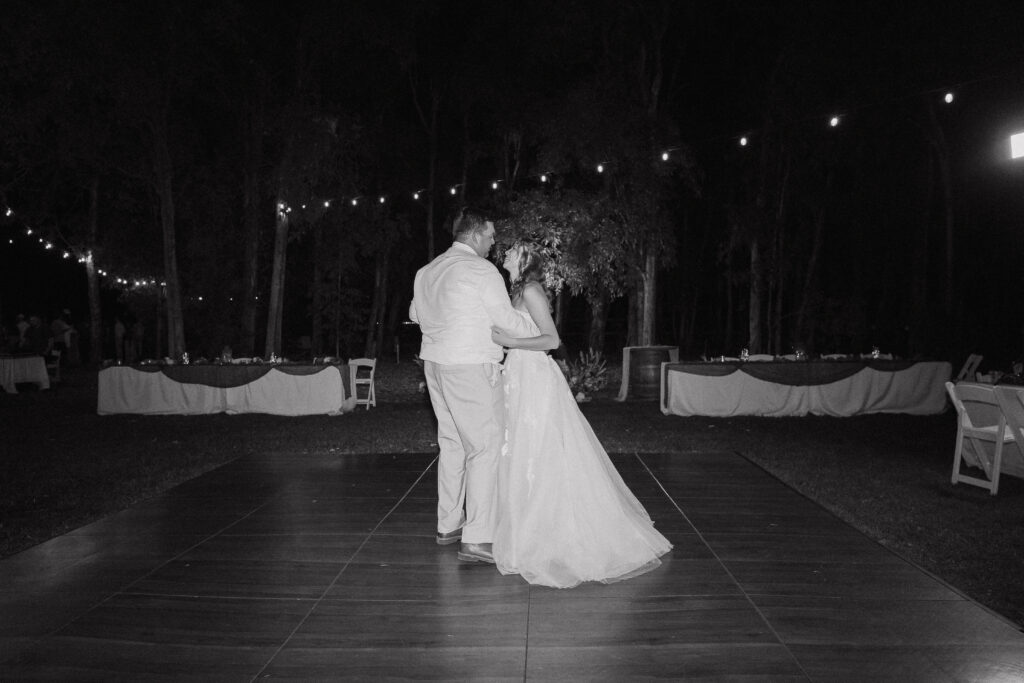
x: 1011, y: 402
x: 363, y: 379
x: 970, y: 367
x: 981, y: 434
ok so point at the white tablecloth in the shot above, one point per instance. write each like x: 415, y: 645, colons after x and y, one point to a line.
x: 918, y: 390
x: 27, y: 369
x: 128, y: 390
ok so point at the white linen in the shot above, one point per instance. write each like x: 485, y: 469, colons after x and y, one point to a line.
x: 27, y: 369
x: 127, y: 390
x: 916, y: 390
x: 457, y: 298
x: 564, y: 513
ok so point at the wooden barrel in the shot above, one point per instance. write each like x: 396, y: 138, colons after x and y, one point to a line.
x: 645, y: 370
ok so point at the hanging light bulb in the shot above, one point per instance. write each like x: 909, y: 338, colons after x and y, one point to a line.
x: 543, y: 177
x: 355, y: 201
x: 416, y: 196
x: 28, y: 231
x: 600, y: 168
x: 9, y: 212
x: 381, y: 200
x: 664, y: 156
x: 743, y: 141
x: 327, y: 204
x: 948, y: 99
x: 834, y: 121
x: 494, y: 185
x: 66, y: 254
x: 452, y: 191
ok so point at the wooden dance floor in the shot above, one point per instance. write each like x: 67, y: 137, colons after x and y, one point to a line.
x: 325, y: 567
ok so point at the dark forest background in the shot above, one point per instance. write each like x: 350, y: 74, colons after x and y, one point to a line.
x: 227, y: 162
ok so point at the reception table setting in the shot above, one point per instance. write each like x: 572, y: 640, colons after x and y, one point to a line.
x: 22, y: 368
x: 235, y: 386
x: 838, y: 386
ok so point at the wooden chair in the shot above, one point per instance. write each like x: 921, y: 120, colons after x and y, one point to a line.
x: 966, y: 373
x: 52, y: 359
x: 981, y: 434
x: 362, y: 379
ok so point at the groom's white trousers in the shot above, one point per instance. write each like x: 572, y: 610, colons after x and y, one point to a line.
x: 468, y: 401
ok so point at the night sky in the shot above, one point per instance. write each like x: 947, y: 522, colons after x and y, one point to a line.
x: 917, y: 208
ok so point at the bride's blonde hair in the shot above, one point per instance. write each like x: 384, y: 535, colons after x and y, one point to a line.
x: 531, y: 269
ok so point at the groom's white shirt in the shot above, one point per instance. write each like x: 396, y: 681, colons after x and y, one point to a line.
x: 457, y: 298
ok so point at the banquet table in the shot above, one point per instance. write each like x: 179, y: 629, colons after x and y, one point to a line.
x: 28, y: 369
x: 839, y: 388
x: 276, y: 389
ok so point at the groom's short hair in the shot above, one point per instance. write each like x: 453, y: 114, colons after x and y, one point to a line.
x: 468, y: 221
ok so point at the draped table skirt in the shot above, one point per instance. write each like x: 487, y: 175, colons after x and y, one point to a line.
x: 777, y: 389
x: 23, y: 369
x: 201, y: 390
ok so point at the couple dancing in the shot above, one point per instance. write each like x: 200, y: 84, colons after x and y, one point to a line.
x: 522, y: 480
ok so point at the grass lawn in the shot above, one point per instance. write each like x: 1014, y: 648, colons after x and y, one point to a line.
x: 888, y: 475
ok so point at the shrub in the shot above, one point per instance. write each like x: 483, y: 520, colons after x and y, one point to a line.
x: 587, y: 374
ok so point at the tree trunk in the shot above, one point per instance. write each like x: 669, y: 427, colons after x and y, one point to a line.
x: 435, y: 105
x: 316, y: 335
x: 756, y: 284
x: 946, y: 178
x: 598, y: 322
x: 812, y: 261
x: 92, y: 278
x: 380, y: 294
x: 275, y: 307
x: 650, y: 281
x: 251, y: 233
x: 163, y: 177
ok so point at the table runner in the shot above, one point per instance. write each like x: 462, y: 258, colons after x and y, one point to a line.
x: 719, y: 390
x: 275, y: 390
x: 793, y: 373
x: 224, y: 376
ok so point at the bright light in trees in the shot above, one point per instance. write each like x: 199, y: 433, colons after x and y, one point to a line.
x: 1017, y: 145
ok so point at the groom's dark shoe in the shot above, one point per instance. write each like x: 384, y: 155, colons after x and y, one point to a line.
x: 449, y: 537
x: 476, y: 552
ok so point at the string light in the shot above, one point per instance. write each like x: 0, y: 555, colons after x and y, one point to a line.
x: 948, y: 99
x: 834, y: 121
x: 381, y: 200
x: 743, y: 141
x: 543, y: 177
x: 600, y: 168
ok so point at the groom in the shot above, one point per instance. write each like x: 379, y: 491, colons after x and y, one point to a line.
x: 457, y: 298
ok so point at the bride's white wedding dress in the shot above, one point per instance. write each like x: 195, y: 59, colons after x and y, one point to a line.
x: 564, y: 514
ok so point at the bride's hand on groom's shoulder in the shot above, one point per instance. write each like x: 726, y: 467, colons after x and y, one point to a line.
x: 499, y: 337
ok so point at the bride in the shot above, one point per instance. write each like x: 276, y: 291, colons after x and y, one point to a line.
x: 564, y: 515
